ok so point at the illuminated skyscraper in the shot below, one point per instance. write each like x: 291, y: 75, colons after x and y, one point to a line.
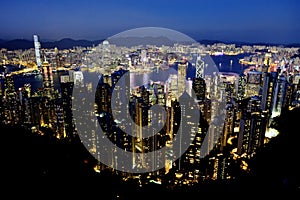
x: 181, y: 78
x: 171, y: 88
x: 295, y: 101
x: 199, y: 88
x: 279, y: 95
x: 188, y: 163
x: 24, y: 96
x: 106, y: 121
x: 66, y: 86
x: 47, y: 79
x: 11, y: 101
x: 160, y: 94
x: 48, y: 98
x: 111, y: 124
x: 228, y: 125
x: 103, y: 95
x: 59, y: 123
x: 254, y: 81
x: 230, y: 91
x: 157, y: 119
x: 172, y: 126
x: 252, y: 128
x: 267, y: 97
x: 122, y: 90
x: 199, y: 67
x: 37, y: 47
x: 140, y: 116
x: 36, y: 109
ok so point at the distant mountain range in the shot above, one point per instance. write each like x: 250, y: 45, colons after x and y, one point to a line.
x: 65, y: 43
x: 68, y: 43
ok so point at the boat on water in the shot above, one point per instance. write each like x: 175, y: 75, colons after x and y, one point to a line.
x: 30, y: 74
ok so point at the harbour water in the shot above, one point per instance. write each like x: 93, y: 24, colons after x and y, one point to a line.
x: 225, y: 63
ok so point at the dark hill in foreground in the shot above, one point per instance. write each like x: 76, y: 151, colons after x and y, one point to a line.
x: 34, y: 163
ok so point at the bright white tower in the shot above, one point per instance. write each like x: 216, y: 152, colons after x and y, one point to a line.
x: 37, y: 46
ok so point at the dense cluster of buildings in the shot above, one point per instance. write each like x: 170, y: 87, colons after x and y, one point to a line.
x: 227, y: 116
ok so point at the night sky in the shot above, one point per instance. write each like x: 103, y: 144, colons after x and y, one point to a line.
x: 274, y: 21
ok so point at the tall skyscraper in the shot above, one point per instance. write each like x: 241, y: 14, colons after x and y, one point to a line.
x: 48, y: 98
x: 121, y: 87
x: 228, y: 125
x: 47, y: 79
x: 66, y: 90
x: 252, y: 127
x: 37, y: 47
x: 171, y: 88
x: 103, y: 95
x: 267, y: 96
x: 24, y: 96
x: 184, y: 122
x: 254, y: 81
x: 140, y: 116
x: 295, y: 101
x: 279, y: 95
x: 199, y: 67
x: 181, y: 78
x: 157, y: 119
x: 111, y: 124
x: 199, y: 88
x: 35, y: 109
x: 11, y: 101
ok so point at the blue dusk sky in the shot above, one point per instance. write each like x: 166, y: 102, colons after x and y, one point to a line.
x: 273, y: 21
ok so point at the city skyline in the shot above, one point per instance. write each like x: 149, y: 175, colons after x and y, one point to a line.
x: 210, y: 125
x: 135, y: 99
x: 257, y: 21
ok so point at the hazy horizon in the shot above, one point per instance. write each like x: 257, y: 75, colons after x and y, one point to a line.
x: 43, y: 40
